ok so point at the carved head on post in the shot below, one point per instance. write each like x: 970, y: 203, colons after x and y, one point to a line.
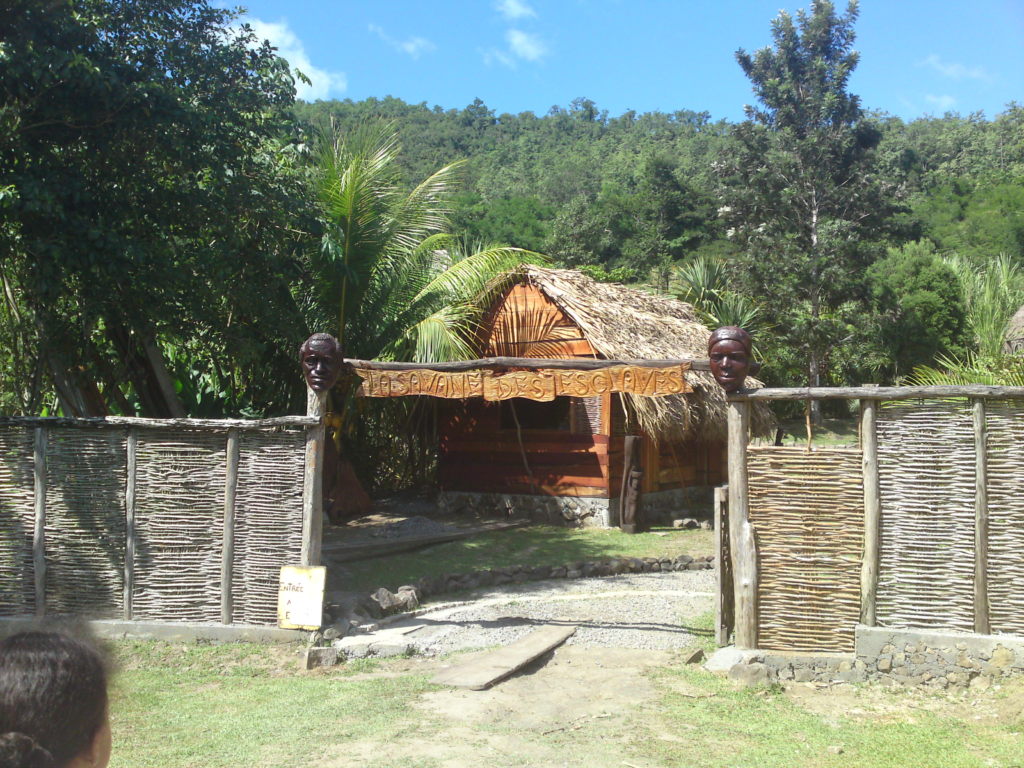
x: 321, y: 360
x: 730, y: 355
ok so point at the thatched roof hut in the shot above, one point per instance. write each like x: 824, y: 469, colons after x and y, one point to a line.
x: 1015, y: 334
x: 575, y: 446
x: 625, y: 323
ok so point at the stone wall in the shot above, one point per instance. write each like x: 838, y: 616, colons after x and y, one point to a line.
x: 904, y: 657
x: 661, y: 507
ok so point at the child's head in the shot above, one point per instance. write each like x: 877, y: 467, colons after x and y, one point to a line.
x: 53, y: 703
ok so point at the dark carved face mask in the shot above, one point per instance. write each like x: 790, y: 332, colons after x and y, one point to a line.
x: 321, y: 362
x: 730, y: 362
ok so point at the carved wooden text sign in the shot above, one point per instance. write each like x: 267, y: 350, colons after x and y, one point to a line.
x: 531, y: 385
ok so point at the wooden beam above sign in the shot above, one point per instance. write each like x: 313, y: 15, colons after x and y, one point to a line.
x: 541, y: 384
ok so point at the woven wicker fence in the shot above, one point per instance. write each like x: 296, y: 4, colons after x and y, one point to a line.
x: 808, y: 513
x: 926, y: 475
x: 922, y: 528
x: 1006, y: 516
x: 146, y: 507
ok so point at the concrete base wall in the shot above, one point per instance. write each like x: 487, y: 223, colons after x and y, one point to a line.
x: 176, y: 631
x: 661, y: 507
x: 906, y: 657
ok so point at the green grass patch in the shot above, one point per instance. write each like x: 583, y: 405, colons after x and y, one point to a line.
x: 244, y: 705
x: 528, y: 547
x: 833, y: 433
x: 740, y: 727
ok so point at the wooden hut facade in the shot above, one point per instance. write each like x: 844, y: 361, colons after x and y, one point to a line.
x: 572, y: 448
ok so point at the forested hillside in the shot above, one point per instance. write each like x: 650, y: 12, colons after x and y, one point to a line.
x: 641, y: 191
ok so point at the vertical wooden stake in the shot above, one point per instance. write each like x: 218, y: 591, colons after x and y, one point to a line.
x: 981, y: 616
x: 631, y: 497
x: 872, y: 512
x: 312, y: 486
x: 228, y: 550
x: 741, y: 532
x: 723, y: 570
x: 39, y: 533
x: 129, y: 521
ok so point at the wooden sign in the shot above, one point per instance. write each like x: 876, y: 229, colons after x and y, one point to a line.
x: 300, y: 598
x: 532, y: 385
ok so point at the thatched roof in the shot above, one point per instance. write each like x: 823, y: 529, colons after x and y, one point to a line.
x: 624, y: 323
x: 1015, y: 333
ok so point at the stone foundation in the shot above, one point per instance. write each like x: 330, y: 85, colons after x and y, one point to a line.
x: 661, y: 507
x: 904, y: 657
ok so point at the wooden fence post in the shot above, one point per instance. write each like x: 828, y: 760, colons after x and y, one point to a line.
x: 129, y: 521
x: 981, y: 617
x: 872, y: 512
x: 39, y: 531
x: 228, y: 550
x: 741, y: 532
x: 312, y: 485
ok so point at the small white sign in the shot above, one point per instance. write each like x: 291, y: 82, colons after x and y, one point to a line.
x: 300, y: 599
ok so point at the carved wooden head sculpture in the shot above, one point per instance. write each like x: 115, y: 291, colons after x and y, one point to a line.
x: 321, y: 360
x: 729, y: 351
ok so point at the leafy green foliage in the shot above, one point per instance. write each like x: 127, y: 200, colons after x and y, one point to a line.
x: 703, y: 283
x: 393, y: 284
x: 992, y: 294
x: 919, y: 307
x: 153, y: 195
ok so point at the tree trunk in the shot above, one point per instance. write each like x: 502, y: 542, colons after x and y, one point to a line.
x: 157, y: 399
x: 814, y: 367
x: 813, y: 380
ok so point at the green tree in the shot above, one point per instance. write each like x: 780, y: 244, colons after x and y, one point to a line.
x: 801, y: 197
x: 392, y: 283
x: 919, y: 308
x: 153, y: 192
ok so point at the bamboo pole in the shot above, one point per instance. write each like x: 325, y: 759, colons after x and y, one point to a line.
x: 129, y: 517
x: 741, y: 533
x: 39, y: 531
x: 228, y: 550
x: 981, y: 612
x: 872, y: 512
x: 312, y: 484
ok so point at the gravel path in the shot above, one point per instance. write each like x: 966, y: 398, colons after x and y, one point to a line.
x: 649, y: 611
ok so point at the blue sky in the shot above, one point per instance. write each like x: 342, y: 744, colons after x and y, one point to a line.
x: 917, y: 57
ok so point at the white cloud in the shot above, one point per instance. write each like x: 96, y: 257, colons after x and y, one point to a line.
x: 413, y: 46
x: 526, y: 45
x: 943, y: 103
x: 515, y: 9
x: 955, y: 71
x: 492, y: 55
x: 291, y: 48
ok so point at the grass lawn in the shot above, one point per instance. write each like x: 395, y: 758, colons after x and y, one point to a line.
x: 833, y: 433
x: 178, y: 706
x: 532, y: 546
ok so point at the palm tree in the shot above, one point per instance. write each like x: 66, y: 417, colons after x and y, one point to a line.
x: 394, y: 284
x: 703, y: 283
x: 400, y: 286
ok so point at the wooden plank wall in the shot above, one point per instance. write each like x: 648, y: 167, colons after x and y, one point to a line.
x: 476, y: 455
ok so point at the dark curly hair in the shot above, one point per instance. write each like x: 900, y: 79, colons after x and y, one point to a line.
x: 53, y: 699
